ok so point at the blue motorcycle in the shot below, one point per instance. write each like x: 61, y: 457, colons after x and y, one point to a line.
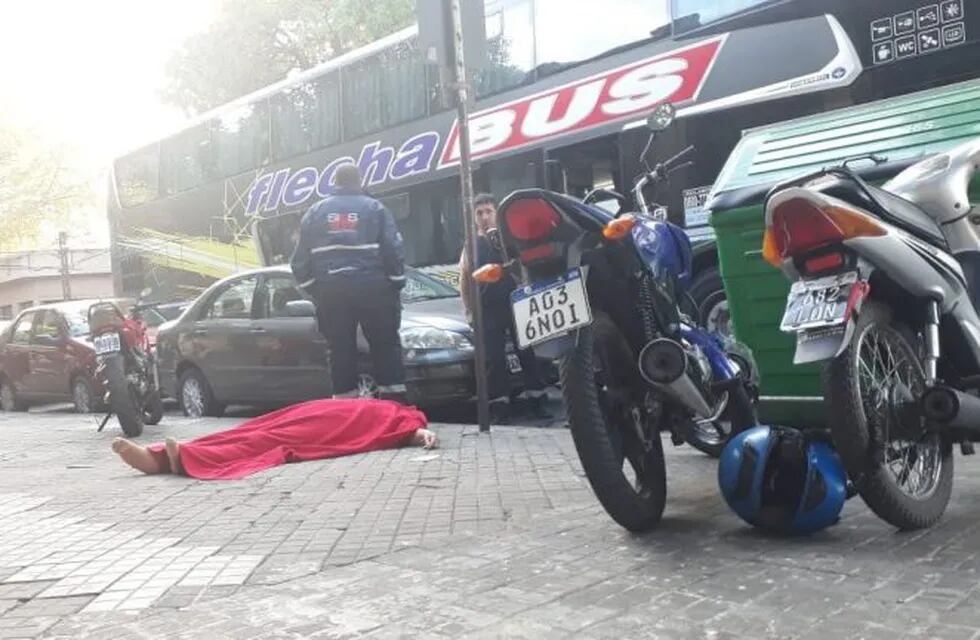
x: 601, y: 293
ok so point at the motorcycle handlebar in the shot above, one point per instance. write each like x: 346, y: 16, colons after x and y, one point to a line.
x: 682, y: 158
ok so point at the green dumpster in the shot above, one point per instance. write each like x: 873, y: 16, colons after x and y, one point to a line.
x: 901, y: 130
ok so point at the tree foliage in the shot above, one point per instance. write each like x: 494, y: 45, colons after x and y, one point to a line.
x: 253, y: 43
x: 39, y: 186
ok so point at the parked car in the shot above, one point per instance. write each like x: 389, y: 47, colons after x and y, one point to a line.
x: 252, y: 339
x: 46, y: 356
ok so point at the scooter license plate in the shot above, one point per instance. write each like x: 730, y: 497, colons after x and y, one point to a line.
x: 107, y: 343
x: 820, y: 303
x: 547, y: 310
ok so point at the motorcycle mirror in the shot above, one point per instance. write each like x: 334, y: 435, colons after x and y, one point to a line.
x: 661, y: 117
x: 146, y: 292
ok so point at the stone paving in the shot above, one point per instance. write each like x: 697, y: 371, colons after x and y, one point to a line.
x: 490, y: 536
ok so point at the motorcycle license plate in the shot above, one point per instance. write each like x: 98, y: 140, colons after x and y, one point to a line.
x: 513, y: 363
x: 547, y: 310
x: 107, y: 343
x: 815, y: 304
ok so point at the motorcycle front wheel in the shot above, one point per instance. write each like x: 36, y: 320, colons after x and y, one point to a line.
x: 122, y: 397
x: 905, y: 475
x: 627, y: 474
x: 152, y: 407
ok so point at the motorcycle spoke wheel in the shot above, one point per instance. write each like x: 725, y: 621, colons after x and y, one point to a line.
x: 913, y: 465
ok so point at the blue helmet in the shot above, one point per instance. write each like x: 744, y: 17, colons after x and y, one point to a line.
x: 783, y: 480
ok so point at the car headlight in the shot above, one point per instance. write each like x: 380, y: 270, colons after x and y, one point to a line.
x: 429, y: 338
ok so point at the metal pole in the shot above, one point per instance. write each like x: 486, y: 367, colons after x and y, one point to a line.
x: 63, y: 254
x: 466, y: 180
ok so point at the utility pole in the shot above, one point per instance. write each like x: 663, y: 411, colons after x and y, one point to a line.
x: 65, y: 259
x: 466, y: 180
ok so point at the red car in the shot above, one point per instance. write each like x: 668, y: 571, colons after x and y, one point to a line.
x: 46, y: 356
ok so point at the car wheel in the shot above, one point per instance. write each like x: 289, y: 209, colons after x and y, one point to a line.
x: 82, y: 395
x: 708, y: 292
x: 196, y: 397
x: 8, y: 398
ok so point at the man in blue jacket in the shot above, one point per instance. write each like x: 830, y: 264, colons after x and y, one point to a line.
x: 351, y: 259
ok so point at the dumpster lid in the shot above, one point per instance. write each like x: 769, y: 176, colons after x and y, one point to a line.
x: 901, y: 129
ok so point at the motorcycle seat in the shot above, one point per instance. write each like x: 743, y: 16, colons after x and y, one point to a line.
x: 889, y: 207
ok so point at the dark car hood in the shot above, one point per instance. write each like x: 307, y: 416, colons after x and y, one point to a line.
x: 442, y: 313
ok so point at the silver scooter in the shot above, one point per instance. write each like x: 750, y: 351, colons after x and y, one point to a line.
x: 886, y: 283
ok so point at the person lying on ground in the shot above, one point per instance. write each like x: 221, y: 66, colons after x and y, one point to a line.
x: 313, y: 430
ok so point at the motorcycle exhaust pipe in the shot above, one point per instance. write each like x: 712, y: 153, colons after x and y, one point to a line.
x: 664, y: 364
x: 952, y: 408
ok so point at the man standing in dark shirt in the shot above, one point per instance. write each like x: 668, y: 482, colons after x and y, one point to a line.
x: 498, y: 320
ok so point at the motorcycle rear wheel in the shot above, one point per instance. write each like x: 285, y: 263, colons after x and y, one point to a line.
x: 121, y: 397
x: 595, y: 377
x: 906, y: 482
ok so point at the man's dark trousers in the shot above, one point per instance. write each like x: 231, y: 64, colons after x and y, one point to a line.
x: 375, y: 305
x: 497, y: 326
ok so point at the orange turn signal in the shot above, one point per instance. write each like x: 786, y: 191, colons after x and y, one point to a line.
x: 489, y: 273
x: 619, y: 228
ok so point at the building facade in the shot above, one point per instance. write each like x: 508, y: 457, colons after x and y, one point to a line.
x: 29, y: 278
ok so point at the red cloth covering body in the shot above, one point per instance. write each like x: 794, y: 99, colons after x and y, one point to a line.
x: 309, y: 431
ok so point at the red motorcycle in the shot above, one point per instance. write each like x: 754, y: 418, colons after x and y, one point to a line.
x: 126, y: 366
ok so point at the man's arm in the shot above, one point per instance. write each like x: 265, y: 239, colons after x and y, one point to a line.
x: 301, y: 262
x: 392, y: 249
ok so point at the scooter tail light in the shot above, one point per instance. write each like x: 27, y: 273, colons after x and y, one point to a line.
x: 798, y: 226
x: 823, y: 263
x: 531, y: 219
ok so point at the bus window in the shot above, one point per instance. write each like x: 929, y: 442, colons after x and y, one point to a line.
x: 620, y: 22
x: 691, y: 14
x: 510, y: 46
x: 138, y: 177
x: 384, y: 90
x: 241, y: 139
x: 186, y: 160
x: 306, y: 117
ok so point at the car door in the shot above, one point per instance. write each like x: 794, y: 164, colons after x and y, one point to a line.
x: 224, y: 343
x: 292, y: 350
x: 17, y: 354
x: 49, y: 360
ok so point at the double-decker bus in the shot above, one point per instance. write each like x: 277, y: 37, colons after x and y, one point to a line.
x: 566, y: 83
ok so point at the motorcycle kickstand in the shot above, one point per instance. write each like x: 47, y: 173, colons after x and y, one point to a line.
x: 105, y: 420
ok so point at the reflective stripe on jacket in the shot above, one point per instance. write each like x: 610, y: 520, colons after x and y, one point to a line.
x: 348, y: 235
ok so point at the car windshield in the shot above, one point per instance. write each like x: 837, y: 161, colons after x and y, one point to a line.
x: 420, y: 287
x: 77, y: 324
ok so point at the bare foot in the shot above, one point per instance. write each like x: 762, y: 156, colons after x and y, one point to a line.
x: 425, y: 439
x: 136, y: 456
x: 173, y: 454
